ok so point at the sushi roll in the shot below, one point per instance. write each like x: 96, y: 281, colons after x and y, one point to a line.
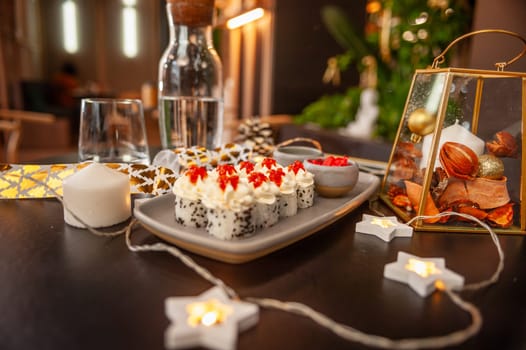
x: 304, y: 184
x: 188, y: 188
x: 266, y: 200
x: 288, y: 199
x: 230, y: 205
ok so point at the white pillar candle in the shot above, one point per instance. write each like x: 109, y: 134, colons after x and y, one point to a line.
x: 98, y: 195
x: 453, y: 133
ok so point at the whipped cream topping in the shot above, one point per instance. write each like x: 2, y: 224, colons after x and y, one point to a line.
x: 189, y: 187
x: 266, y: 164
x: 304, y: 178
x: 245, y: 168
x: 231, y: 194
x: 222, y: 170
x: 288, y: 184
x: 265, y: 191
x: 284, y: 180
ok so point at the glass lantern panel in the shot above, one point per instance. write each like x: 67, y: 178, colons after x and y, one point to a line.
x: 480, y: 118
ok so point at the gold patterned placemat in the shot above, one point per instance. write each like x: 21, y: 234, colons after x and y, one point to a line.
x: 45, y: 181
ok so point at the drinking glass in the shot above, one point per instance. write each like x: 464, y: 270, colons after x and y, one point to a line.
x: 113, y: 131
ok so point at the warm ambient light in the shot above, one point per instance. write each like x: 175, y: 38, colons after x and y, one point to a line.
x: 422, y: 268
x: 245, y: 18
x: 207, y: 313
x: 69, y: 26
x: 129, y: 31
x: 384, y: 223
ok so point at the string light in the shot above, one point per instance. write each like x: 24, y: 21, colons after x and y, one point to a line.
x: 383, y: 223
x: 207, y: 313
x: 422, y: 268
x: 421, y: 274
x: 344, y: 331
x: 385, y: 228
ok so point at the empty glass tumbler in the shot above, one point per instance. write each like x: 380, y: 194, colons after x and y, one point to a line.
x: 113, y: 131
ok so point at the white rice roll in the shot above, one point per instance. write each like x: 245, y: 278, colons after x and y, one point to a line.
x: 226, y: 224
x: 266, y: 214
x: 230, y: 205
x: 288, y: 204
x: 288, y: 199
x: 189, y: 212
x: 266, y: 198
x: 188, y: 188
x: 304, y: 184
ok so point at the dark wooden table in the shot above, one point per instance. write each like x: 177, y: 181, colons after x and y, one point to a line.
x: 63, y: 288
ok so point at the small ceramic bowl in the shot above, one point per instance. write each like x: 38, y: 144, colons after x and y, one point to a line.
x: 333, y: 181
x: 286, y: 155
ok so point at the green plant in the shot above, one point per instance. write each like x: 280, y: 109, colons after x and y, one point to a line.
x: 332, y: 111
x: 401, y: 36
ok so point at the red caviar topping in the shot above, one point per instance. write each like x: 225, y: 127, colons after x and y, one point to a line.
x: 331, y: 161
x: 257, y: 179
x: 248, y: 166
x: 226, y: 169
x: 268, y: 163
x: 196, y: 172
x: 296, y: 166
x: 276, y: 176
x: 224, y: 180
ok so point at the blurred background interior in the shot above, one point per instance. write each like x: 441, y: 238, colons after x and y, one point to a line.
x: 297, y: 63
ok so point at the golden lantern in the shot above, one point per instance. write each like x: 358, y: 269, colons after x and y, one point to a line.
x: 459, y: 148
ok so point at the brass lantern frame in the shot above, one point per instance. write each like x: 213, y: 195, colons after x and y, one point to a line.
x: 449, y: 74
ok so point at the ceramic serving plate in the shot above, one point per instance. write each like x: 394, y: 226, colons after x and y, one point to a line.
x: 158, y: 216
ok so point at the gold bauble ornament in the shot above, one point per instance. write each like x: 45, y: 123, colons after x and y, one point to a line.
x: 490, y: 167
x: 420, y: 123
x: 438, y: 4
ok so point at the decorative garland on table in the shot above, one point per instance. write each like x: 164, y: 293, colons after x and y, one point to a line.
x: 344, y: 331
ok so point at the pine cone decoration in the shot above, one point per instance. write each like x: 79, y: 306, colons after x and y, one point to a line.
x: 257, y: 135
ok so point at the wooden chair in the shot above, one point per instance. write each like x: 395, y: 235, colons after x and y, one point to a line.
x: 10, y: 126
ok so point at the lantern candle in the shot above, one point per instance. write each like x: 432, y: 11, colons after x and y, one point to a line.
x: 97, y: 195
x: 452, y: 133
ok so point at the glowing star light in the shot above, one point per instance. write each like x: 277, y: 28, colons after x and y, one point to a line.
x: 384, y: 227
x: 423, y: 275
x: 210, y: 320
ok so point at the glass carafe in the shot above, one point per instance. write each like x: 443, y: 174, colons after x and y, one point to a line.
x: 190, y: 78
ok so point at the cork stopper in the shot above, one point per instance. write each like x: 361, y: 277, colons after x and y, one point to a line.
x: 193, y: 13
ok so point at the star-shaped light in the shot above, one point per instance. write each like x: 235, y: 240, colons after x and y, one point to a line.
x: 422, y: 274
x: 210, y: 320
x: 384, y: 227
